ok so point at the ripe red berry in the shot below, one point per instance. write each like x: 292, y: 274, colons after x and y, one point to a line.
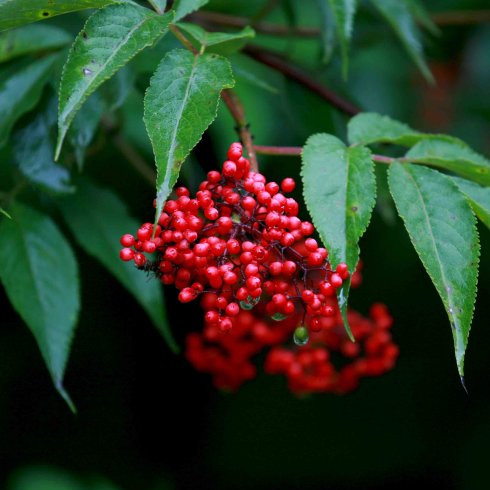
x: 126, y: 254
x: 288, y: 185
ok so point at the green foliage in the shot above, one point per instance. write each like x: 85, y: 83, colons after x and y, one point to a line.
x: 340, y: 191
x: 451, y: 156
x: 15, y: 13
x: 20, y: 91
x: 369, y: 127
x: 218, y: 42
x: 33, y: 150
x: 109, y: 39
x: 398, y: 15
x: 40, y: 276
x: 442, y: 229
x: 180, y: 103
x: 98, y: 229
x: 31, y: 39
x: 478, y: 197
x: 343, y: 12
x: 185, y: 7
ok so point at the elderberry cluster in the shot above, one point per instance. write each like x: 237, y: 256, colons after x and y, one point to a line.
x: 241, y: 239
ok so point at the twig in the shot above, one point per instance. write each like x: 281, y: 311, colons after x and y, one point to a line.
x: 275, y: 61
x: 217, y: 18
x: 291, y: 151
x: 238, y: 113
x: 135, y: 159
x: 463, y: 17
x: 185, y: 42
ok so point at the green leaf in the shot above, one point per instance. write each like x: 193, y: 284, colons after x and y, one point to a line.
x: 343, y: 12
x: 218, y: 42
x: 159, y: 5
x: 33, y: 149
x: 185, y: 7
x: 328, y: 28
x: 98, y: 230
x: 40, y: 276
x: 442, y: 229
x: 399, y: 16
x: 21, y: 91
x: 31, y: 39
x: 369, y: 127
x: 180, y: 103
x: 423, y: 17
x: 2, y: 211
x: 339, y: 189
x: 15, y: 13
x: 478, y: 197
x: 451, y: 156
x: 84, y: 126
x: 109, y: 39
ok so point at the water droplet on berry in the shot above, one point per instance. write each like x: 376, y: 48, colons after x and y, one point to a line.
x: 87, y: 71
x: 301, y: 336
x: 278, y: 317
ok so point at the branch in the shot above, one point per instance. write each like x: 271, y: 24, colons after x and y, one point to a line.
x: 238, y: 113
x: 295, y: 151
x: 276, y: 62
x: 181, y: 37
x: 462, y: 17
x: 217, y: 18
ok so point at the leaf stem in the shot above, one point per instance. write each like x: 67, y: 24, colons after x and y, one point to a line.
x: 277, y: 62
x: 235, y: 106
x: 181, y: 37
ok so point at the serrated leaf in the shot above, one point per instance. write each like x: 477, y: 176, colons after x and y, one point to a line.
x: 251, y: 78
x: 451, y: 156
x: 40, y: 276
x: 109, y: 39
x: 478, y: 197
x: 442, y: 229
x: 218, y: 42
x: 21, y: 91
x: 185, y: 7
x: 33, y: 151
x: 399, y: 16
x: 98, y: 230
x: 15, y: 13
x: 31, y: 39
x: 180, y: 103
x: 339, y: 189
x: 369, y: 127
x: 343, y: 12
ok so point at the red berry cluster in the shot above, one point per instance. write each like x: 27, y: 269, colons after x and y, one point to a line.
x: 239, y: 237
x: 239, y: 245
x: 329, y: 363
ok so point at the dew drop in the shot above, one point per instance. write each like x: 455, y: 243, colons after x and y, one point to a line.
x: 301, y: 335
x: 87, y: 71
x: 451, y: 310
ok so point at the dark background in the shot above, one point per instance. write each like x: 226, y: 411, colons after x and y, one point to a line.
x: 147, y: 420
